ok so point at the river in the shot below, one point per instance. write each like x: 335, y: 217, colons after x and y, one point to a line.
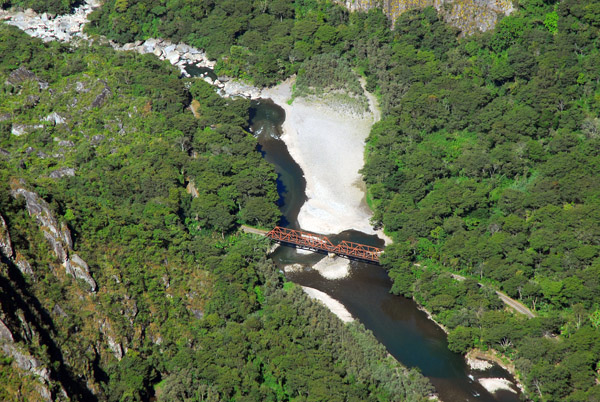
x: 406, y: 332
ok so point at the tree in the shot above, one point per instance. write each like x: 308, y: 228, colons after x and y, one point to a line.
x: 258, y: 211
x: 211, y: 213
x: 281, y: 8
x: 595, y: 319
x: 460, y: 339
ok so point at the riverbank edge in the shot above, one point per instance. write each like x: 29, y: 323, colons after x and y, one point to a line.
x: 498, y: 358
x: 227, y: 88
x: 329, y: 209
x: 490, y: 355
x: 333, y: 305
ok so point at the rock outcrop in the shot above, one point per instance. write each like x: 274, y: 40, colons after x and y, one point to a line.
x: 6, y: 249
x: 62, y: 172
x: 55, y: 119
x: 22, y: 129
x: 5, y: 243
x: 5, y: 334
x: 467, y: 15
x: 114, y: 346
x: 79, y: 269
x: 24, y: 361
x: 102, y: 97
x: 63, y: 28
x: 24, y: 266
x: 58, y: 236
x: 21, y: 74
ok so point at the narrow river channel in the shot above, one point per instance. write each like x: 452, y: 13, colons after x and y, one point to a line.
x: 396, y: 321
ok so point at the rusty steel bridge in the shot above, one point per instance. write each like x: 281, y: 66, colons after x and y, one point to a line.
x: 321, y: 243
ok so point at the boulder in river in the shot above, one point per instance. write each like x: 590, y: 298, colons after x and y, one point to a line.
x: 183, y: 48
x: 149, y: 45
x: 173, y: 57
x: 168, y: 49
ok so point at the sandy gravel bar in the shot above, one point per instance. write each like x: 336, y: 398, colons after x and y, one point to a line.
x: 335, y: 306
x: 497, y: 384
x: 328, y: 144
x: 333, y: 267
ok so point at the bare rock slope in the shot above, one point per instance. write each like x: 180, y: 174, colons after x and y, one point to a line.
x: 467, y: 15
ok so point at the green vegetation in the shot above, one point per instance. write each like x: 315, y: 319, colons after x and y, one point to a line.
x: 486, y: 164
x: 331, y: 80
x: 265, y: 41
x: 187, y: 308
x: 42, y: 6
x: 15, y: 384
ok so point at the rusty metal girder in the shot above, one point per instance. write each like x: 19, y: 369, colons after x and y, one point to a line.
x: 322, y: 243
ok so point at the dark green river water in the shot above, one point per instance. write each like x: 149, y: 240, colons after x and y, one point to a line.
x: 396, y: 321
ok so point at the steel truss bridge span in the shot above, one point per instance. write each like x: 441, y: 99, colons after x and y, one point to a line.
x: 321, y: 243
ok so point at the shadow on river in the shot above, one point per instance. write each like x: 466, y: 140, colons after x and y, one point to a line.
x: 406, y: 332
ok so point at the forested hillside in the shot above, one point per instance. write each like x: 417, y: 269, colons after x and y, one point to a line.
x: 43, y: 6
x: 485, y: 164
x: 122, y: 275
x: 263, y: 41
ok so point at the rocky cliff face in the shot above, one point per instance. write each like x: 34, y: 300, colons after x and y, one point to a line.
x: 467, y: 15
x: 57, y: 235
x: 29, y: 335
x: 5, y: 243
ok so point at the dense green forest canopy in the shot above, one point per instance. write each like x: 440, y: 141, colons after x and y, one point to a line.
x: 264, y: 41
x: 42, y: 6
x: 485, y: 163
x: 197, y: 310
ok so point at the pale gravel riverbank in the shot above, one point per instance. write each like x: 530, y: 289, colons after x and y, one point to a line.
x: 326, y: 140
x: 333, y: 305
x: 328, y: 144
x: 497, y: 384
x: 333, y: 268
x: 477, y: 364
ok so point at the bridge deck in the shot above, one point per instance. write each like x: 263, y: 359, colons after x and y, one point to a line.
x: 321, y: 243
